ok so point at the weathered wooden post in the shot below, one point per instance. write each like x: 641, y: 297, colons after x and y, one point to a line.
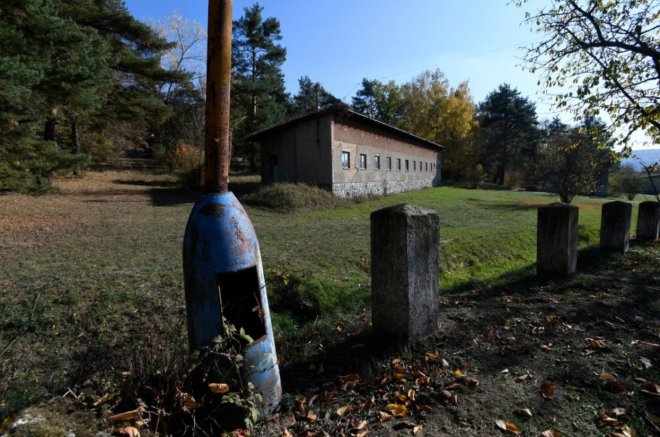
x: 615, y: 226
x: 648, y: 221
x: 556, y: 240
x: 223, y: 275
x: 405, y: 272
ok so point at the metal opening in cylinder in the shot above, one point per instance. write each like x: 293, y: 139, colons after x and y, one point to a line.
x: 240, y: 301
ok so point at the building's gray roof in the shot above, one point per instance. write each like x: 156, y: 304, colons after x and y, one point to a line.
x: 344, y: 111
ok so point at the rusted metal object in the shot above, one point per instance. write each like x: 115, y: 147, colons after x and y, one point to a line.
x: 223, y: 274
x: 224, y: 277
x: 218, y: 94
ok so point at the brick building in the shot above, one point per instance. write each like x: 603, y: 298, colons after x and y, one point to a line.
x: 347, y: 153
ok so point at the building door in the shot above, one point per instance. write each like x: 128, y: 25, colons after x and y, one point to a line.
x: 273, y: 168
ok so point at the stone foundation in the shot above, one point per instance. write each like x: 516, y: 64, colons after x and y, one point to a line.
x: 350, y: 190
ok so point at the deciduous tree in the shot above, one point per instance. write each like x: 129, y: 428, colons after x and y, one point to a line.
x: 602, y: 55
x: 573, y: 158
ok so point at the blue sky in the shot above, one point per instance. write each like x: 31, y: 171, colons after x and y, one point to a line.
x: 338, y: 43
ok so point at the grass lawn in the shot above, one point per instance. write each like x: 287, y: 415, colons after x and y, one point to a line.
x: 92, y: 285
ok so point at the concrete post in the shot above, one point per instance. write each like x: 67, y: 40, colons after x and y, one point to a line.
x: 556, y: 240
x: 615, y: 226
x: 405, y: 272
x: 648, y: 221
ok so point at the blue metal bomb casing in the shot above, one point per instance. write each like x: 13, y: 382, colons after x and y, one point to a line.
x: 220, y: 239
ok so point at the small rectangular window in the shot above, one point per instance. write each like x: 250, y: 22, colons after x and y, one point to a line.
x: 407, y: 165
x: 363, y: 161
x: 346, y: 160
x: 426, y: 166
x: 388, y: 163
x: 398, y: 164
x: 377, y: 162
x: 414, y: 165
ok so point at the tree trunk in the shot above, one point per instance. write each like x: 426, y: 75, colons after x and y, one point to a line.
x: 75, y: 141
x: 49, y: 128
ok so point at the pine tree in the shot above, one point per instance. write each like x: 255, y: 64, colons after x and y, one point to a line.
x: 508, y: 132
x: 311, y: 97
x: 258, y: 96
x: 46, y: 63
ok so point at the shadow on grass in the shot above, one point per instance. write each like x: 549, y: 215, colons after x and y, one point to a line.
x: 146, y: 183
x: 479, y: 307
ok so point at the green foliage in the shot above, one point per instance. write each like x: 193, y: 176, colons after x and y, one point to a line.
x: 627, y: 181
x: 292, y: 197
x: 573, y: 158
x: 428, y: 107
x: 378, y: 100
x: 311, y: 97
x: 600, y: 55
x: 258, y: 96
x: 508, y: 133
x: 84, y: 65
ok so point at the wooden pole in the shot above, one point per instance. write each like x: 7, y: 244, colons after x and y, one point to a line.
x: 218, y: 84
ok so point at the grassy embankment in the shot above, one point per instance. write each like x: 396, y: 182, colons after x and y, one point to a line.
x: 92, y: 282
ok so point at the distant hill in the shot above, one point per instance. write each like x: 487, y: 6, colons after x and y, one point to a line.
x: 647, y: 155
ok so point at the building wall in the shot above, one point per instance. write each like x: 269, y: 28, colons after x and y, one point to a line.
x: 424, y: 163
x: 299, y: 153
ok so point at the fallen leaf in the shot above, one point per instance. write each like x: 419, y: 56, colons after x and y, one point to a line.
x: 417, y: 429
x: 187, y: 400
x: 445, y: 363
x: 411, y: 394
x: 127, y: 415
x: 384, y: 417
x: 607, y: 377
x: 348, y: 382
x: 330, y: 399
x: 549, y: 433
x: 646, y: 362
x: 523, y: 377
x: 458, y: 373
x: 286, y: 433
x: 311, y: 416
x: 547, y: 390
x: 129, y: 431
x: 624, y: 431
x: 432, y: 355
x: 362, y: 425
x: 422, y: 408
x: 218, y: 388
x: 524, y: 412
x: 397, y: 410
x: 345, y: 409
x: 507, y: 325
x: 597, y: 343
x: 651, y: 388
x: 546, y: 348
x: 617, y: 412
x: 362, y: 434
x: 552, y: 319
x: 508, y: 426
x: 103, y: 399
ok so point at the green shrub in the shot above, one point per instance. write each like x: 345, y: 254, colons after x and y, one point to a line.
x: 292, y: 197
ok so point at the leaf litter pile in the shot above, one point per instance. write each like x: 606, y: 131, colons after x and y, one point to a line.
x: 575, y: 356
x: 579, y: 356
